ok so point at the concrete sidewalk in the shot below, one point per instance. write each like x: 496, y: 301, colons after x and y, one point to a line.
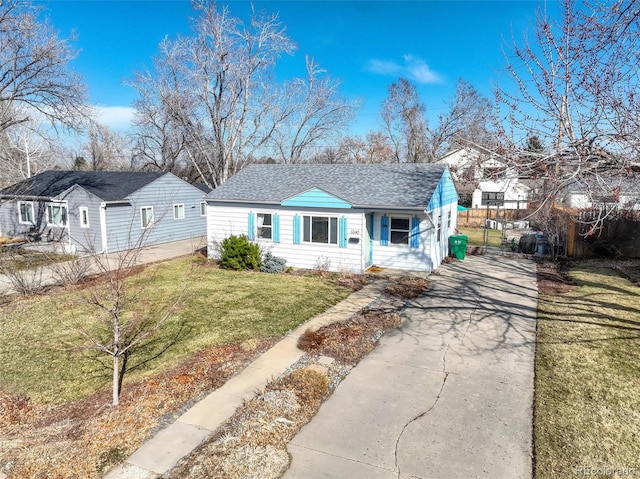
x: 448, y: 395
x: 165, y: 449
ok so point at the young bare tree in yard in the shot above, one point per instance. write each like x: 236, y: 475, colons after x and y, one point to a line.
x: 574, y: 87
x: 124, y: 320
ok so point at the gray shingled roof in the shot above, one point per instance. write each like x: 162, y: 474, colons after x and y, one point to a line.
x: 388, y: 185
x: 107, y: 185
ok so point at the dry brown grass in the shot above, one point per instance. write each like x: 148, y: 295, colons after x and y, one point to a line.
x: 87, y: 437
x: 408, y: 288
x: 350, y: 340
x: 252, y: 443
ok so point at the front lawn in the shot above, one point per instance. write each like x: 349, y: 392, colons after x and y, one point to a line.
x: 37, y: 358
x: 587, y: 388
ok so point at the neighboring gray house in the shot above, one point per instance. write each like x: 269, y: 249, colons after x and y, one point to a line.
x: 339, y: 217
x: 103, y: 211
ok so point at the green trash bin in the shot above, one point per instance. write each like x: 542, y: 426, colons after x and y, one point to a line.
x: 458, y: 245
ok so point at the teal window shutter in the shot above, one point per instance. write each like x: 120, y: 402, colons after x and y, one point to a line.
x: 384, y: 230
x: 414, y: 240
x: 276, y: 228
x: 342, y: 232
x: 296, y: 229
x: 251, y: 226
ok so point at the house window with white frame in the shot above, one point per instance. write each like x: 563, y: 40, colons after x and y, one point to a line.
x: 265, y: 226
x: 399, y: 230
x: 84, y: 217
x: 203, y: 208
x: 25, y: 212
x: 320, y: 229
x: 57, y: 214
x: 178, y: 211
x: 146, y: 217
x: 449, y: 220
x: 439, y: 229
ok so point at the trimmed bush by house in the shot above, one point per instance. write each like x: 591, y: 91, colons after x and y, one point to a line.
x: 272, y: 264
x: 238, y: 253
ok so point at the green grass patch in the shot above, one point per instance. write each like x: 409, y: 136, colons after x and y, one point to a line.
x: 477, y: 236
x: 219, y: 307
x: 587, y: 389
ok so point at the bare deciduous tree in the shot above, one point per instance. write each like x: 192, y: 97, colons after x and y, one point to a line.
x: 311, y: 111
x: 105, y: 149
x: 215, y: 85
x: 403, y: 116
x: 468, y: 120
x: 124, y: 319
x: 574, y: 87
x: 35, y: 78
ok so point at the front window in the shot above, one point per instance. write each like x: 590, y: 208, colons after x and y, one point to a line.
x: 25, y: 210
x: 320, y: 229
x: 399, y: 230
x: 57, y: 214
x: 265, y: 226
x: 178, y: 212
x: 146, y: 216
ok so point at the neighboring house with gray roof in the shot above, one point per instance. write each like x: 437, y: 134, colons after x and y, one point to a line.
x: 103, y: 211
x: 339, y: 217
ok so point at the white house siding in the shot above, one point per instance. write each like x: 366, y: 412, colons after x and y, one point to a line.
x: 226, y: 220
x: 124, y: 224
x: 428, y: 255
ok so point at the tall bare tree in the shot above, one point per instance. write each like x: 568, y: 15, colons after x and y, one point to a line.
x: 105, y: 149
x: 470, y: 118
x: 573, y: 86
x: 35, y: 77
x: 403, y: 117
x: 311, y: 111
x: 216, y: 86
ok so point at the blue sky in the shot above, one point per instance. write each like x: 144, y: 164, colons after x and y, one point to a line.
x: 365, y: 44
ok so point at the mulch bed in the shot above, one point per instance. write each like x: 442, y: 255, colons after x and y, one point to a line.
x: 553, y: 280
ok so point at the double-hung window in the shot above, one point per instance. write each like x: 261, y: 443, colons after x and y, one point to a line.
x: 146, y: 217
x: 320, y: 229
x: 265, y: 226
x: 25, y: 212
x: 57, y: 214
x: 178, y: 211
x: 399, y: 230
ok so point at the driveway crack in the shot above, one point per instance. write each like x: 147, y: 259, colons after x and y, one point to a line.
x: 424, y: 413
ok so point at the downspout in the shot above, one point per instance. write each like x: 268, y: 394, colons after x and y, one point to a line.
x: 103, y: 226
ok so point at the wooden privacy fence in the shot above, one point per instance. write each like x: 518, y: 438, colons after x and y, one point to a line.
x: 617, y: 237
x: 475, y: 217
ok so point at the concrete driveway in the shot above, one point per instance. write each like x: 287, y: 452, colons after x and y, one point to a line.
x: 448, y: 395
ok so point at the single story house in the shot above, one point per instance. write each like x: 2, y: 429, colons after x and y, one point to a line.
x: 481, y: 175
x: 103, y: 211
x: 339, y: 217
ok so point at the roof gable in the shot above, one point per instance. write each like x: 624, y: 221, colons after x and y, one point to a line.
x: 315, y: 197
x: 404, y: 185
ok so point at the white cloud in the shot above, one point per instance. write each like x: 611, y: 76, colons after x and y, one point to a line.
x: 412, y: 67
x: 117, y: 118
